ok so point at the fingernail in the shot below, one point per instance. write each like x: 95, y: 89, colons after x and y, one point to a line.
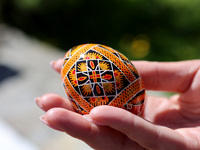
x: 42, y: 119
x: 52, y: 63
x: 87, y: 117
x: 54, y: 66
x: 37, y: 101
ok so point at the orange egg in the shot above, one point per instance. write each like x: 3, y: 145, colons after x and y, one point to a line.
x: 95, y: 74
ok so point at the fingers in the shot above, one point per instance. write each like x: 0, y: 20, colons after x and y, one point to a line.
x: 137, y: 129
x: 57, y: 65
x: 51, y: 100
x: 97, y: 137
x: 168, y: 76
x: 163, y: 76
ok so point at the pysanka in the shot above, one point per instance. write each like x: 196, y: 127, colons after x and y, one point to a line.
x: 95, y: 74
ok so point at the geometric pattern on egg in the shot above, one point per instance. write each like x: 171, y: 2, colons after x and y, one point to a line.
x: 95, y: 74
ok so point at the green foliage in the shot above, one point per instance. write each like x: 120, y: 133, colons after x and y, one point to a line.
x: 167, y: 30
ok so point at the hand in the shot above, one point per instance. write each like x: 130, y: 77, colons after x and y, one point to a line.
x: 166, y: 123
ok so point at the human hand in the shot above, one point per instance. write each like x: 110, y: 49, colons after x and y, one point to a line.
x: 166, y: 123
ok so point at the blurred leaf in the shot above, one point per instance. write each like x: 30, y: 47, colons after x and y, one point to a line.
x: 172, y: 26
x: 27, y: 4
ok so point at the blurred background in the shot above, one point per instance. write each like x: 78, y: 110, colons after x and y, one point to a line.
x: 34, y: 32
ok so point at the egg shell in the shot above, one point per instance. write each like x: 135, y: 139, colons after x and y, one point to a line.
x: 94, y: 74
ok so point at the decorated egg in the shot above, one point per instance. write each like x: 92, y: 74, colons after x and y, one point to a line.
x: 94, y: 74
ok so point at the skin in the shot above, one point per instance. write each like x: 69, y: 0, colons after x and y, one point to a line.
x: 166, y: 123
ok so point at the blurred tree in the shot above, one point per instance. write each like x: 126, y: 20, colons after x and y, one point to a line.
x: 153, y: 30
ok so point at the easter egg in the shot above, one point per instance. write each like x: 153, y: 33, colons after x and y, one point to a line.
x: 94, y: 74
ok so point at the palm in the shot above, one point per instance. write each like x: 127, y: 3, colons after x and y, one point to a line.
x: 168, y: 112
x: 180, y: 113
